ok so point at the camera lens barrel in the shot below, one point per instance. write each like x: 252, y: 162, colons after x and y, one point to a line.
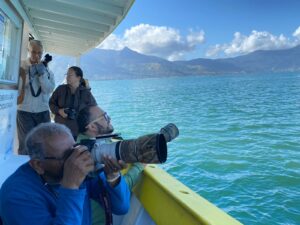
x: 151, y: 148
x: 100, y: 149
x: 170, y: 132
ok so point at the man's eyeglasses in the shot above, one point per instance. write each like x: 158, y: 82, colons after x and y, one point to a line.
x: 104, y: 115
x: 63, y: 158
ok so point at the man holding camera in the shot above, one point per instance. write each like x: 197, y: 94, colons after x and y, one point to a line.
x: 93, y: 122
x: 36, y: 84
x: 54, y: 187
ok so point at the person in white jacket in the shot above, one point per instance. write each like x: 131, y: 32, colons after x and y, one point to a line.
x: 35, y: 86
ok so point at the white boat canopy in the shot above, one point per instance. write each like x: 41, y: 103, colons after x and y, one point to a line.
x: 72, y: 27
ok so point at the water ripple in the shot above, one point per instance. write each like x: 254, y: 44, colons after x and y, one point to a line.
x: 239, y: 143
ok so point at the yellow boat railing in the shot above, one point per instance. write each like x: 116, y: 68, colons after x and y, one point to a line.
x: 169, y: 202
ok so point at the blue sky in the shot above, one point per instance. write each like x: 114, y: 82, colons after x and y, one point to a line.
x: 186, y: 29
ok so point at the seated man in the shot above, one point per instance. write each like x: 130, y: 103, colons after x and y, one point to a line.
x: 53, y: 188
x: 92, y: 122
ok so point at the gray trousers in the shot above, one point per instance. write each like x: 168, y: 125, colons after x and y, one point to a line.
x: 27, y: 121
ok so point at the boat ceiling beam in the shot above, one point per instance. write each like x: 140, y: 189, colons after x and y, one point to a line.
x: 50, y: 16
x: 68, y: 10
x: 63, y: 51
x: 79, y: 24
x: 97, y: 6
x: 68, y: 33
x: 63, y: 39
x: 64, y: 27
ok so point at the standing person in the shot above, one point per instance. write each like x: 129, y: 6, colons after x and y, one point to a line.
x: 53, y: 188
x: 68, y: 99
x: 36, y: 84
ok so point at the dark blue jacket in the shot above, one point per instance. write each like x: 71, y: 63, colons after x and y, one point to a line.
x: 25, y: 200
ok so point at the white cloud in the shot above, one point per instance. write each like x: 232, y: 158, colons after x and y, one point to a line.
x: 112, y: 42
x: 257, y: 40
x: 297, y: 33
x: 161, y: 41
x: 195, y: 38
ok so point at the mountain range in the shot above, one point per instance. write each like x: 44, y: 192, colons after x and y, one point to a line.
x: 99, y: 64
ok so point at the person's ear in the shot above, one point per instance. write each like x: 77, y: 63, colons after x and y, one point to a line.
x: 91, y: 127
x: 37, y: 166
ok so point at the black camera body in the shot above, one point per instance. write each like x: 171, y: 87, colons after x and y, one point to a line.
x: 71, y: 113
x: 47, y: 59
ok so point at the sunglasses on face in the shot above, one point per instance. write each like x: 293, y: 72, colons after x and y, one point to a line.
x: 104, y: 115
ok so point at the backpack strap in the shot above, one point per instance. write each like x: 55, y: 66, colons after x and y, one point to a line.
x: 105, y: 200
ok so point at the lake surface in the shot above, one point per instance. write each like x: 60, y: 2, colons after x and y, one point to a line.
x: 239, y: 143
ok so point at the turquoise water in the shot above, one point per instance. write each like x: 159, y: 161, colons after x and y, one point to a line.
x: 239, y: 143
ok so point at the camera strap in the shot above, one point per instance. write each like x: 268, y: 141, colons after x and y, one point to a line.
x: 31, y: 88
x: 106, y: 203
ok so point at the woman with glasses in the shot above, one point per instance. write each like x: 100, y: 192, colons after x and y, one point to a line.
x: 68, y: 99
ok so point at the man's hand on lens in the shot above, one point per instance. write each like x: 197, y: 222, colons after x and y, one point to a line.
x: 76, y: 167
x: 112, y: 168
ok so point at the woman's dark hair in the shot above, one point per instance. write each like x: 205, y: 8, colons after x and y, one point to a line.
x: 79, y: 73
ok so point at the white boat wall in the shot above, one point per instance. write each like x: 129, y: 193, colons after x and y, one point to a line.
x: 73, y: 27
